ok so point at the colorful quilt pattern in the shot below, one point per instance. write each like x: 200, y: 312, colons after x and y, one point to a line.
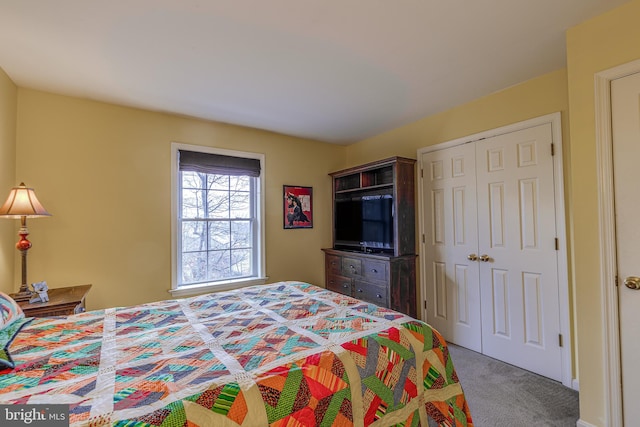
x: 285, y: 354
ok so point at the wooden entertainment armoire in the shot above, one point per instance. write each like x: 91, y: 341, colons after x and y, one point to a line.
x: 383, y: 273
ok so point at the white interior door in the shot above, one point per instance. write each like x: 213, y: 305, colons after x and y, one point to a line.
x: 453, y: 294
x: 517, y: 246
x: 625, y: 105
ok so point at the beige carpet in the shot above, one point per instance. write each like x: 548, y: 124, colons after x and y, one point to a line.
x: 502, y: 395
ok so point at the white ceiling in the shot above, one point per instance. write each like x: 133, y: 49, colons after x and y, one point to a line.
x: 332, y: 70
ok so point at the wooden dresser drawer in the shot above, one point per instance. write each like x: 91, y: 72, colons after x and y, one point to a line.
x: 351, y: 267
x: 370, y: 293
x: 375, y: 270
x: 61, y: 310
x: 334, y: 264
x: 339, y: 284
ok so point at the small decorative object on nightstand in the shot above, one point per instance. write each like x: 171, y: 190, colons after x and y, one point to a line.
x: 62, y: 302
x: 40, y: 289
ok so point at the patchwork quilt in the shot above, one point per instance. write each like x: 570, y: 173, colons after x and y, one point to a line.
x: 285, y: 354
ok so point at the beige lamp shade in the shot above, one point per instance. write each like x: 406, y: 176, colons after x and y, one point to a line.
x: 22, y: 202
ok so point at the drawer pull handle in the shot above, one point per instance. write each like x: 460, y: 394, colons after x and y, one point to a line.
x: 359, y: 290
x: 345, y: 286
x: 373, y: 270
x: 352, y: 267
x: 378, y: 295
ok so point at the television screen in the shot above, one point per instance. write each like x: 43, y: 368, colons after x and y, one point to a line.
x: 348, y: 217
x: 365, y: 221
x: 377, y: 224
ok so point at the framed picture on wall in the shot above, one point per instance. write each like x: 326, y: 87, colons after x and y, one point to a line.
x: 298, y: 206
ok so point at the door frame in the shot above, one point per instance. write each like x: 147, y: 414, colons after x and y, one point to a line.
x: 555, y: 119
x: 606, y: 222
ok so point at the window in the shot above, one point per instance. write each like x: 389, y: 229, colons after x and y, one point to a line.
x: 218, y: 239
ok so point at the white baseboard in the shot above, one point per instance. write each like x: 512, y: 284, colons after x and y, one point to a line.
x: 581, y: 423
x: 575, y: 384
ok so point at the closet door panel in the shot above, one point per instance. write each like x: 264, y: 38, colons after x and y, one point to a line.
x: 453, y: 294
x: 516, y: 235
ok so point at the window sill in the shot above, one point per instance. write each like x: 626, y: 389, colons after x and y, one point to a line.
x: 204, y: 288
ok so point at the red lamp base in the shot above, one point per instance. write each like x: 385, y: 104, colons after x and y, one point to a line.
x: 23, y: 245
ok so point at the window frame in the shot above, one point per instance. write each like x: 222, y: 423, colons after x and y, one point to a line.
x: 176, y: 238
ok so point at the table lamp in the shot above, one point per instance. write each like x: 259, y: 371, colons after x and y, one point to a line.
x: 22, y: 203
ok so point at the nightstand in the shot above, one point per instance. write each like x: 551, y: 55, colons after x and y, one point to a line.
x: 62, y: 302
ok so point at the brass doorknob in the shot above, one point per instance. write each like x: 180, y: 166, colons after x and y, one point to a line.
x: 632, y: 282
x: 485, y: 258
x: 472, y: 257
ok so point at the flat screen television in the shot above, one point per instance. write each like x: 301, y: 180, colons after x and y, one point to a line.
x: 364, y: 223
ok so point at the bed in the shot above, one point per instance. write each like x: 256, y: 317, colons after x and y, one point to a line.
x: 284, y: 354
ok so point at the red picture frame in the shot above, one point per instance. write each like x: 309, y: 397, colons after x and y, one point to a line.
x: 298, y: 206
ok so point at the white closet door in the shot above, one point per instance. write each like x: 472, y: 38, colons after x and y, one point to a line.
x: 517, y: 231
x: 453, y: 295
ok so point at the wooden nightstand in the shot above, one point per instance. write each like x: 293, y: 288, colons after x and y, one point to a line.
x: 62, y: 302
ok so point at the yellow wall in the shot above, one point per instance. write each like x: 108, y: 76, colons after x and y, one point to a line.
x: 103, y: 171
x: 8, y: 228
x: 537, y: 97
x: 596, y: 45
